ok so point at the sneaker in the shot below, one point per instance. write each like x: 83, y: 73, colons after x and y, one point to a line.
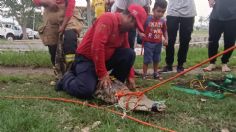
x: 144, y: 77
x: 179, y: 69
x: 225, y: 68
x: 167, y: 69
x: 211, y: 67
x: 156, y: 76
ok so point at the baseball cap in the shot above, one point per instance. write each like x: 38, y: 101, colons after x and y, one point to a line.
x: 139, y: 14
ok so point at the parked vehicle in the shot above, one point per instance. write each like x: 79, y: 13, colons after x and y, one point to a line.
x: 9, y: 32
x: 32, y: 34
x: 18, y: 32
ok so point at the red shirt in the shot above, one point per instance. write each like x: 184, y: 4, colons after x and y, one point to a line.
x: 101, y: 41
x: 154, y: 30
x: 69, y: 9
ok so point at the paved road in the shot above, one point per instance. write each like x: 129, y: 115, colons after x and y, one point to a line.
x: 23, y: 45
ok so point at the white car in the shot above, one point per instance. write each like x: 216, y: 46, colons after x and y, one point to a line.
x: 32, y: 34
x: 9, y: 31
x: 18, y: 32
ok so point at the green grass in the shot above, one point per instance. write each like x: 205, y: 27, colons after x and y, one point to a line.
x: 195, y: 56
x: 41, y: 59
x: 23, y: 59
x: 3, y: 41
x: 185, y: 112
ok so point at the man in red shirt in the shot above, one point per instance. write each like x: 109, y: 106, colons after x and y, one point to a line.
x: 60, y: 17
x: 104, y: 47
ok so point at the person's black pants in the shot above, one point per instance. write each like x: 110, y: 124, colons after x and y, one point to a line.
x: 131, y: 37
x: 70, y: 41
x: 82, y: 81
x: 52, y: 51
x: 69, y: 45
x: 216, y: 28
x: 185, y: 27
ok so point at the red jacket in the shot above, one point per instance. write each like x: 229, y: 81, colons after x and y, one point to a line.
x: 69, y: 9
x: 101, y: 41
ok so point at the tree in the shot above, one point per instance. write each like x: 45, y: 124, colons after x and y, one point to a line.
x: 21, y: 10
x: 201, y: 20
x: 35, y: 21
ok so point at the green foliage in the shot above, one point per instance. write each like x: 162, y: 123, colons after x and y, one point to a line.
x: 32, y: 58
x: 22, y: 10
x: 41, y: 59
x: 38, y: 21
x: 185, y: 113
x: 195, y: 56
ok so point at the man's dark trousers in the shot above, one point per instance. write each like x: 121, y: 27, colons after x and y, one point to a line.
x: 69, y: 46
x: 82, y: 81
x: 216, y: 28
x: 131, y: 38
x: 185, y: 27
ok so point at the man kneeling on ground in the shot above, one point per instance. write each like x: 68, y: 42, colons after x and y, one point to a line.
x: 104, y: 47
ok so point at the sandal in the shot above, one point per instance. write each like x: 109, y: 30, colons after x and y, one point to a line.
x: 225, y: 68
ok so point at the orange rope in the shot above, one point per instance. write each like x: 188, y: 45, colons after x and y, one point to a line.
x: 119, y: 94
x: 189, y: 69
x: 93, y: 106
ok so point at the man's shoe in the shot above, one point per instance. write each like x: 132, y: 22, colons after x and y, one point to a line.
x: 59, y: 85
x: 180, y: 69
x: 210, y: 68
x: 167, y: 69
x: 53, y: 83
x: 225, y: 68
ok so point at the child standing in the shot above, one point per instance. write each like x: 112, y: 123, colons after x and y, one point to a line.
x: 155, y: 28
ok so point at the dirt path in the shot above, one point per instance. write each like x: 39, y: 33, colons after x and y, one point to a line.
x: 24, y: 71
x: 48, y: 71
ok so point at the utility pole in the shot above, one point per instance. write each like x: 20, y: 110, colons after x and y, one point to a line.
x: 33, y: 23
x: 89, y: 17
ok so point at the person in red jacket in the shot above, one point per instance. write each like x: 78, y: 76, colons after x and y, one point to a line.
x: 104, y: 48
x: 60, y: 17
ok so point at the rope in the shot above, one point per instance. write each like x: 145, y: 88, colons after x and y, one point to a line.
x: 189, y: 69
x: 140, y: 93
x: 93, y: 106
x: 120, y: 93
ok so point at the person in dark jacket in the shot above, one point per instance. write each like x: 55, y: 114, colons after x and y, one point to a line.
x: 222, y: 21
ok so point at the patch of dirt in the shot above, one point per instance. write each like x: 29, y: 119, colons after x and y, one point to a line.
x: 24, y: 71
x: 31, y: 70
x: 193, y: 72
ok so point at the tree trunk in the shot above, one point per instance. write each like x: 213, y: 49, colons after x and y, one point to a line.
x: 24, y: 31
